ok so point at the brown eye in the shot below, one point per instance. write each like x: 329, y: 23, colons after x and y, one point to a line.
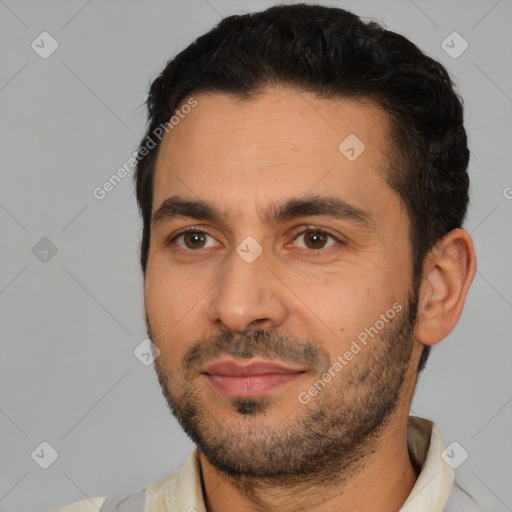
x: 193, y: 240
x: 316, y: 239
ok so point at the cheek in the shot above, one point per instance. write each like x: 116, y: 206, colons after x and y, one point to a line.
x: 165, y: 304
x: 176, y: 306
x: 334, y: 310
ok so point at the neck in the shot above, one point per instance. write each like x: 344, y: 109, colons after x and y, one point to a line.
x: 380, y: 480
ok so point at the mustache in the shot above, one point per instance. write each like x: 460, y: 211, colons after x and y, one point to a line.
x: 261, y: 343
x: 268, y: 345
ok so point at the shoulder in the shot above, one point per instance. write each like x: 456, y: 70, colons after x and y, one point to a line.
x: 174, y: 487
x: 87, y: 505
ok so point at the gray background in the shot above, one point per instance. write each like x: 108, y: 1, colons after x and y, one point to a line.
x: 70, y: 324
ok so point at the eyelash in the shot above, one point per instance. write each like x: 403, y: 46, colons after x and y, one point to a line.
x: 308, y: 229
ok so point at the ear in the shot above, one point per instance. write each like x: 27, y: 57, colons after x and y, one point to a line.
x: 448, y: 271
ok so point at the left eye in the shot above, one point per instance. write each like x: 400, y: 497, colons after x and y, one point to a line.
x: 316, y: 239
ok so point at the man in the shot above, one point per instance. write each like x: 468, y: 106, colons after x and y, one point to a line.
x: 302, y: 183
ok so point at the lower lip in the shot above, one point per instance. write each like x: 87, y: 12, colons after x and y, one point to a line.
x: 250, y: 385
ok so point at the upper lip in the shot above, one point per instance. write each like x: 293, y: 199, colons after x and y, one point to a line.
x: 236, y: 369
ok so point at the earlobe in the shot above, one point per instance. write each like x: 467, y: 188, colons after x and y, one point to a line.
x: 448, y: 272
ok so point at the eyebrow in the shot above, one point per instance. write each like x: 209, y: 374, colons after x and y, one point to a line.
x: 293, y: 208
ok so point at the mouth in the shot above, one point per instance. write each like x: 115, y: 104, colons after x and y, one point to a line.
x: 255, y: 378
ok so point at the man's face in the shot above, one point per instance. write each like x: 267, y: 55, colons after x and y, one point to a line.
x: 265, y: 277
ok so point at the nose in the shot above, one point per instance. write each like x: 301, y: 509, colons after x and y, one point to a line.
x: 248, y: 295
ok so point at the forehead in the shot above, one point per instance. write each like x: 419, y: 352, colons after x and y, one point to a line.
x: 279, y: 142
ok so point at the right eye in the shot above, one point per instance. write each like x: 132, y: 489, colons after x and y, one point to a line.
x: 193, y: 240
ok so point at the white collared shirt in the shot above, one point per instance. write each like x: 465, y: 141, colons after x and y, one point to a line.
x: 434, y: 491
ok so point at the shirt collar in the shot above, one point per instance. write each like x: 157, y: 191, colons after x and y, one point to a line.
x: 432, y: 488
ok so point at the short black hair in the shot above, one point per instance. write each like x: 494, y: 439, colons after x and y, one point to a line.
x: 334, y: 54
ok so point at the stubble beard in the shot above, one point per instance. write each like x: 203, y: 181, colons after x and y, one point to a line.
x: 325, y: 440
